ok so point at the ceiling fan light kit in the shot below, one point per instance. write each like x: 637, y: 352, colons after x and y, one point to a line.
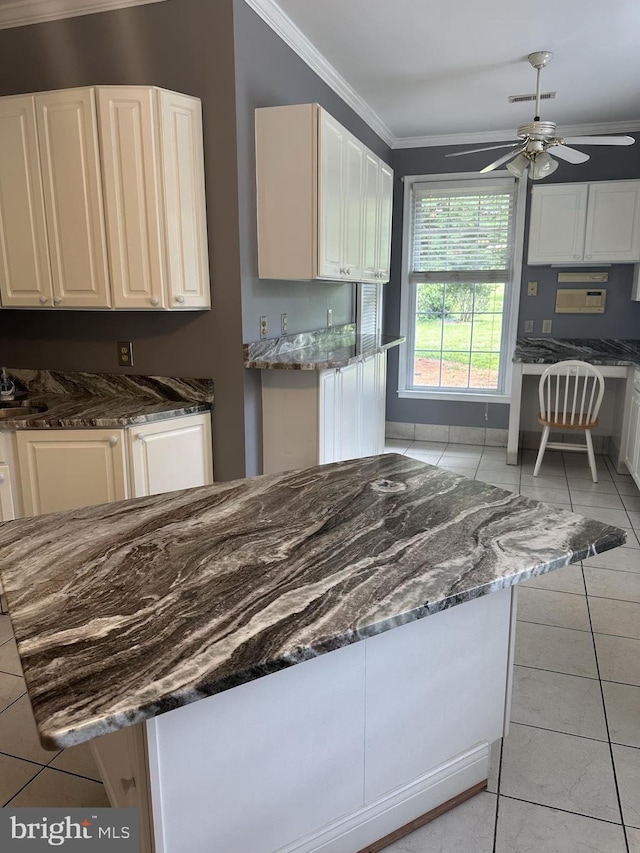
x: 531, y: 155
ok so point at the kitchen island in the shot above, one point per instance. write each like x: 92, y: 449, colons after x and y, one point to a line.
x: 300, y: 662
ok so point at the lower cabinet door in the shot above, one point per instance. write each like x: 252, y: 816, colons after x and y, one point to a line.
x: 7, y: 512
x: 369, y: 420
x: 173, y: 454
x: 67, y: 469
x: 348, y: 408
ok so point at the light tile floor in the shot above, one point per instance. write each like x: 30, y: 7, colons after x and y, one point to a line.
x: 568, y: 775
x: 567, y: 778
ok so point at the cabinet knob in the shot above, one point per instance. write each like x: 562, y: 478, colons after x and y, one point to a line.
x: 154, y: 300
x: 348, y: 271
x: 57, y: 300
x: 43, y: 300
x: 180, y: 299
x: 113, y: 440
x: 141, y: 436
x: 577, y: 257
x: 1, y: 478
x: 587, y: 256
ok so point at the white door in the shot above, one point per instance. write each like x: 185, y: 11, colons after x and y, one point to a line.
x: 385, y: 212
x: 353, y: 178
x: 185, y: 212
x: 348, y: 408
x: 327, y: 437
x: 613, y: 222
x: 381, y: 399
x: 25, y: 274
x: 174, y: 454
x: 633, y: 442
x: 128, y: 139
x: 69, y: 154
x: 369, y: 408
x: 67, y: 469
x: 7, y: 509
x: 330, y: 197
x: 370, y: 214
x: 558, y: 217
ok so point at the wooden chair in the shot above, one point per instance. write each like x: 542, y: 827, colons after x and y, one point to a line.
x: 570, y: 394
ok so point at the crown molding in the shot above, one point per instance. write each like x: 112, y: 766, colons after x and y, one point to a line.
x: 510, y: 135
x: 283, y: 26
x: 24, y: 12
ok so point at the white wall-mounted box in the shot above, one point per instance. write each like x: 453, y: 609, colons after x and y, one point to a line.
x: 591, y: 301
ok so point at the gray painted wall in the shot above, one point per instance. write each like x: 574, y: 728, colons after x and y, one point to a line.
x: 268, y: 73
x: 186, y: 46
x: 622, y: 317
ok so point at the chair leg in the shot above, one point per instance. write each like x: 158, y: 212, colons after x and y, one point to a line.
x: 592, y: 458
x: 543, y: 444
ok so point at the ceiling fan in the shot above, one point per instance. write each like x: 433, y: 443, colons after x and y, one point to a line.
x: 537, y: 137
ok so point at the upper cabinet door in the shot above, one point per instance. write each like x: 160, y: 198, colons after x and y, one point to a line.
x: 128, y: 120
x: 370, y: 215
x: 330, y: 197
x: 558, y: 216
x: 184, y: 201
x: 385, y: 211
x: 613, y: 222
x: 69, y: 156
x: 25, y: 275
x: 353, y: 205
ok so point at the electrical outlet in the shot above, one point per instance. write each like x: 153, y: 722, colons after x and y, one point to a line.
x: 528, y: 327
x: 532, y: 288
x: 546, y: 327
x: 283, y: 324
x: 263, y: 326
x: 125, y: 354
x: 329, y: 317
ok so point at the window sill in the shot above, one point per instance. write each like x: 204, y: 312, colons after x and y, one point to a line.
x: 457, y: 396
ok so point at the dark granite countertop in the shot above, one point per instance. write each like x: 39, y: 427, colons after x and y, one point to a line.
x: 90, y: 400
x: 127, y: 610
x: 605, y: 351
x: 324, y: 349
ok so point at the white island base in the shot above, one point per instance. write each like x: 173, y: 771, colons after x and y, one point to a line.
x: 340, y: 754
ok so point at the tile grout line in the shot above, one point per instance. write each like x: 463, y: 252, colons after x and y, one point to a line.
x: 606, y: 722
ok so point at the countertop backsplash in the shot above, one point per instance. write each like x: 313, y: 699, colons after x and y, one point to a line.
x: 156, y: 388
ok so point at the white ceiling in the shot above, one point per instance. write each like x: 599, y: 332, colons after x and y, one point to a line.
x: 431, y: 68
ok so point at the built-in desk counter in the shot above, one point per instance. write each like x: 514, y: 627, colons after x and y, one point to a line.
x: 615, y: 358
x: 296, y: 662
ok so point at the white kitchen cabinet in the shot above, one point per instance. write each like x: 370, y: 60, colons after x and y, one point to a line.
x: 558, y: 219
x: 613, y: 222
x: 7, y: 509
x: 169, y: 455
x: 632, y: 438
x: 323, y: 199
x: 585, y: 223
x: 25, y: 273
x: 102, y: 200
x: 69, y: 159
x: 153, y: 173
x: 68, y: 469
x: 312, y: 417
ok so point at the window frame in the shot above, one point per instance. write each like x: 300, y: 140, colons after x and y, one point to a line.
x: 408, y: 290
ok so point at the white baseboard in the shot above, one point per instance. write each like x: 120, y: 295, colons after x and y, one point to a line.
x: 399, y: 807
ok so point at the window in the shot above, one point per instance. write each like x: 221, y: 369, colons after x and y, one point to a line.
x: 461, y: 287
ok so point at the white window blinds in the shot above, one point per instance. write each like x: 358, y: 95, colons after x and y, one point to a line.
x: 462, y: 234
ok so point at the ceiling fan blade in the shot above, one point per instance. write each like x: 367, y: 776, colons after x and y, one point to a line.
x: 500, y: 161
x: 563, y: 152
x: 599, y: 140
x: 475, y: 150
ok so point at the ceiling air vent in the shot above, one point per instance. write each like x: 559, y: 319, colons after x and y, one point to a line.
x: 518, y: 99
